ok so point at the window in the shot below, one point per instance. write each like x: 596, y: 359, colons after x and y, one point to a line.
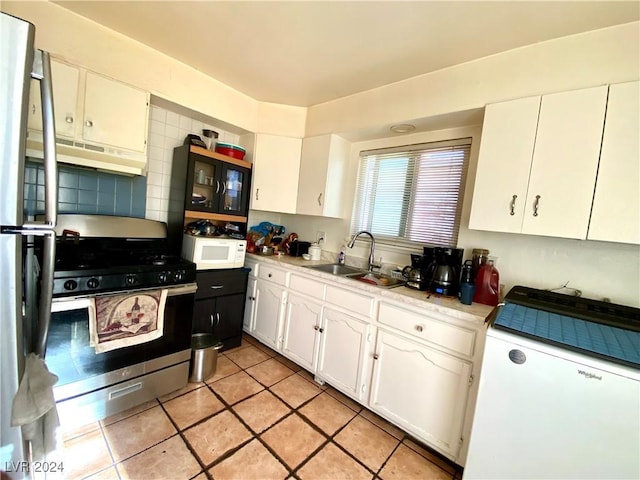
x: 412, y: 194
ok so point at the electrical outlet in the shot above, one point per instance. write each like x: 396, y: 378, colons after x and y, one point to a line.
x: 321, y: 237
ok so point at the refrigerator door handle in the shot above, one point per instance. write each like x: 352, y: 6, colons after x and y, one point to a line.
x: 42, y: 72
x: 46, y: 293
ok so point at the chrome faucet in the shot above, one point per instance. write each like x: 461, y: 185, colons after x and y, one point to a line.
x: 373, y: 246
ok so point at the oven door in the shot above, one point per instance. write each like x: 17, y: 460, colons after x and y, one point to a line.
x: 81, y: 370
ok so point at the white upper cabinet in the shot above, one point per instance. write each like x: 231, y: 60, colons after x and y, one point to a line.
x: 65, y: 83
x: 537, y: 166
x: 323, y: 167
x: 115, y: 114
x: 276, y: 166
x: 565, y: 163
x: 615, y: 215
x: 504, y: 162
x: 100, y: 122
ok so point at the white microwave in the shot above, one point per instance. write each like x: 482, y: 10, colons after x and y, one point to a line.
x: 214, y: 252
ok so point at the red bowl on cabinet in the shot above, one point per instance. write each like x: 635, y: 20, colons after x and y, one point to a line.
x: 231, y: 150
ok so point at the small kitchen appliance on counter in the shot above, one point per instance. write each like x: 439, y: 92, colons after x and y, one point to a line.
x: 420, y: 272
x: 446, y: 275
x: 559, y: 391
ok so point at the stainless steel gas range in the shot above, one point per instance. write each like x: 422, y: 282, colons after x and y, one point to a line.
x: 99, y: 256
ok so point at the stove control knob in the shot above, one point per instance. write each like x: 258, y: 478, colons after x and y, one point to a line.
x: 178, y: 276
x: 70, y: 285
x: 162, y: 277
x: 93, y: 283
x: 130, y: 280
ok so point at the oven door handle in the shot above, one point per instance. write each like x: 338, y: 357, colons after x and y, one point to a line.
x: 182, y: 290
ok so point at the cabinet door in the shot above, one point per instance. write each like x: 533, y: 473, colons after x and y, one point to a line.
x: 249, y: 306
x: 275, y: 173
x: 204, y: 315
x: 235, y: 183
x: 344, y: 353
x: 323, y: 165
x: 504, y: 161
x: 64, y: 80
x: 228, y: 319
x: 565, y: 162
x: 269, y: 301
x: 615, y: 216
x: 420, y: 389
x: 121, y: 123
x: 203, y: 189
x: 301, y: 325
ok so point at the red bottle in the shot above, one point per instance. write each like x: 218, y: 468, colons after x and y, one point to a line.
x: 487, y: 285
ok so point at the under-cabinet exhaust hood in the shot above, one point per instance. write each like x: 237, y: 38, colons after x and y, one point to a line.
x: 90, y: 155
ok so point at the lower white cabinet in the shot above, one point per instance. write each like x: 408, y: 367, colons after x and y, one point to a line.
x: 269, y: 306
x: 301, y: 328
x: 420, y: 389
x: 249, y: 306
x: 343, y: 358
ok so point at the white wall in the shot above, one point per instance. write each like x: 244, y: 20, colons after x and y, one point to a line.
x: 90, y: 45
x: 610, y: 55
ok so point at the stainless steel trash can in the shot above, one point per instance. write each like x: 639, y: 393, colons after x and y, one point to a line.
x: 204, y: 356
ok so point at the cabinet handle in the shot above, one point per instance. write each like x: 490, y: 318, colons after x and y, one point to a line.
x: 376, y: 356
x: 535, y: 206
x: 89, y: 123
x: 33, y: 109
x: 269, y: 275
x: 224, y: 187
x: 320, y: 200
x: 217, y: 319
x: 513, y: 205
x: 211, y: 316
x: 257, y: 194
x: 321, y: 330
x: 419, y: 328
x: 217, y: 186
x: 216, y: 287
x: 68, y: 119
x: 316, y: 328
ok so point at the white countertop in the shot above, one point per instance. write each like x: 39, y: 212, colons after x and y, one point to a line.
x: 450, y: 306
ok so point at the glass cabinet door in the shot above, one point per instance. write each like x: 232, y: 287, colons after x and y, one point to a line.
x: 235, y: 190
x: 206, y: 185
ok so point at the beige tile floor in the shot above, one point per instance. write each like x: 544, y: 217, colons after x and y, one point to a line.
x: 259, y: 417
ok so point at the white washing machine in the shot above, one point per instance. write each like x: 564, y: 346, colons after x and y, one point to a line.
x: 559, y: 393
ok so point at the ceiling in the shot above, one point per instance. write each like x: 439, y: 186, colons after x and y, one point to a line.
x: 309, y: 52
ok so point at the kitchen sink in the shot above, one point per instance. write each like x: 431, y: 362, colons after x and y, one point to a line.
x: 376, y: 279
x: 335, y: 269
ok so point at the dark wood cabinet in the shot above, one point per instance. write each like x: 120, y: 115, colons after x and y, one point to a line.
x: 219, y: 306
x: 207, y: 185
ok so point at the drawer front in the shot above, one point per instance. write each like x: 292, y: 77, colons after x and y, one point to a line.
x: 220, y: 282
x: 356, y: 302
x: 275, y: 275
x: 451, y: 337
x: 306, y: 285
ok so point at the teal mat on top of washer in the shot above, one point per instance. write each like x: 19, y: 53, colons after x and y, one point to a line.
x: 577, y: 334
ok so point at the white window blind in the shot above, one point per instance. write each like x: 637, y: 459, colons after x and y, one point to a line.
x: 412, y: 194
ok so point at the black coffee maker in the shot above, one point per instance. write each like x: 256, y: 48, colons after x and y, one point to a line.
x: 446, y: 274
x: 420, y: 273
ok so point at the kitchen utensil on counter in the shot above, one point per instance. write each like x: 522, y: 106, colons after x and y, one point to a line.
x: 315, y: 251
x: 297, y: 248
x: 446, y: 276
x: 210, y: 139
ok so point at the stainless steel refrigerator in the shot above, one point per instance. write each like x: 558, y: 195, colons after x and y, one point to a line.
x: 25, y: 299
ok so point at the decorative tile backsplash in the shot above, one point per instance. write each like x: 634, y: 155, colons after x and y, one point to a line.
x: 168, y: 130
x: 83, y: 190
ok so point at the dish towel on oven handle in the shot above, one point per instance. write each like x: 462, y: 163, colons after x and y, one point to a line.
x: 122, y: 320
